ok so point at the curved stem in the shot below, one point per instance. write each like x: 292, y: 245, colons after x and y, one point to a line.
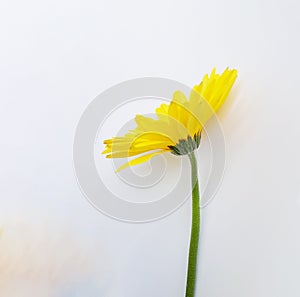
x: 195, y: 229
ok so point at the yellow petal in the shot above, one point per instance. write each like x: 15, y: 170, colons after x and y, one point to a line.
x: 139, y: 160
x: 214, y: 90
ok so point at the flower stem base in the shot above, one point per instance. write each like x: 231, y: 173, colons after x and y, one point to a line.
x: 195, y: 229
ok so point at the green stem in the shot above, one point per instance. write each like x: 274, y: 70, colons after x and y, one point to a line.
x: 195, y: 229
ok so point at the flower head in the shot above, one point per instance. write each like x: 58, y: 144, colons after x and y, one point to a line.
x: 177, y: 128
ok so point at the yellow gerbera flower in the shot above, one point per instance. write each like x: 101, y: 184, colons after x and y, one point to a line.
x: 177, y: 129
x: 178, y: 126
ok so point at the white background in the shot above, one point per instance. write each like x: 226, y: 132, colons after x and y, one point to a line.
x: 56, y: 56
